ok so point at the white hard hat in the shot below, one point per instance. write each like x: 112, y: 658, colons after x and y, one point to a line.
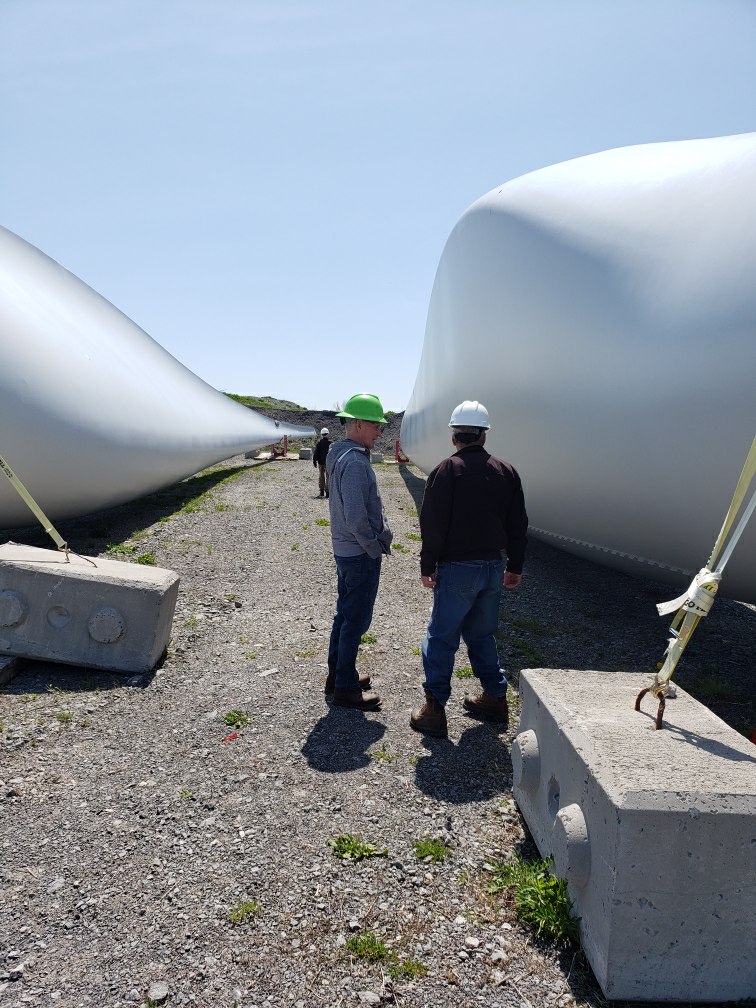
x: 324, y: 431
x: 470, y: 413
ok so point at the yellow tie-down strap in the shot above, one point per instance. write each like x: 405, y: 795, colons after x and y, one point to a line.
x: 36, y: 510
x: 697, y: 601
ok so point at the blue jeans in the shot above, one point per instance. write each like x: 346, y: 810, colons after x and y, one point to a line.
x: 466, y: 603
x: 358, y: 578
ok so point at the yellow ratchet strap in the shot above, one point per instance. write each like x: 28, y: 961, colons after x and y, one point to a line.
x: 699, y: 598
x: 39, y: 514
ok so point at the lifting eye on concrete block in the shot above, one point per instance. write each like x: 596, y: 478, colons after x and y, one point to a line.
x: 659, y: 694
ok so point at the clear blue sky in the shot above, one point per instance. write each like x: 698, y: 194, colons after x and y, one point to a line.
x: 266, y: 186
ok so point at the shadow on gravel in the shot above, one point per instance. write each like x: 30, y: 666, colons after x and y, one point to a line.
x: 339, y: 742
x: 415, y: 485
x: 37, y: 678
x: 92, y: 533
x: 477, y: 768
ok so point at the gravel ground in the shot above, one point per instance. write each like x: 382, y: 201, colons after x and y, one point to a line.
x: 135, y: 819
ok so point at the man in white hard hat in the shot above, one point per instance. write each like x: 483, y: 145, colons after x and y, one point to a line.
x: 473, y: 512
x: 319, y: 461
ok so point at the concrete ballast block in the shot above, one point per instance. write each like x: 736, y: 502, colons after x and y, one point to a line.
x: 94, y: 612
x: 654, y: 831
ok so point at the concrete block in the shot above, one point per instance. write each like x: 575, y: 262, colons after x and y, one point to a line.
x: 655, y: 832
x: 94, y: 612
x: 9, y: 667
x: 305, y: 453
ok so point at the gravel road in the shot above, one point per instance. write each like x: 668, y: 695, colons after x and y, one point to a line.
x: 137, y: 823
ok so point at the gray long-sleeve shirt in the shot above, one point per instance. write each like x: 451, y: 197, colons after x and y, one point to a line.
x: 358, y: 524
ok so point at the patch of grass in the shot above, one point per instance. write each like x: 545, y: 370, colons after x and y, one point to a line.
x: 399, y: 547
x: 711, y: 689
x: 295, y: 547
x: 428, y: 847
x: 368, y: 638
x: 191, y: 622
x: 367, y: 946
x: 236, y: 719
x: 122, y: 549
x: 230, y: 597
x: 242, y: 910
x: 322, y: 521
x: 528, y: 624
x: 528, y: 652
x: 305, y: 526
x: 244, y: 640
x: 541, y: 900
x: 382, y: 755
x: 464, y: 673
x: 353, y: 848
x: 148, y: 559
x: 416, y: 650
x: 410, y: 969
x: 64, y: 716
x: 186, y: 794
x: 306, y: 654
x: 414, y: 536
x: 220, y: 506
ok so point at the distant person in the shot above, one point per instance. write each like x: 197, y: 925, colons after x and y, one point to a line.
x: 319, y: 461
x: 473, y: 510
x: 360, y: 536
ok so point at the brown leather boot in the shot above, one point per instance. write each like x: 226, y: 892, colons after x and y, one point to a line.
x: 430, y: 718
x: 356, y: 698
x: 488, y: 708
x: 330, y: 683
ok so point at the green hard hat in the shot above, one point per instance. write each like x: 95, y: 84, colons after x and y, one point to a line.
x: 363, y: 407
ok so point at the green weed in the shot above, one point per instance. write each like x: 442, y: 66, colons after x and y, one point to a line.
x: 528, y: 624
x: 416, y: 650
x: 242, y: 910
x: 528, y: 652
x: 354, y: 848
x: 367, y: 946
x: 541, y: 900
x: 399, y: 547
x: 148, y: 559
x: 464, y: 673
x: 368, y: 638
x: 64, y: 716
x: 236, y: 719
x: 322, y: 521
x: 410, y: 969
x: 382, y: 755
x: 414, y: 536
x: 186, y: 794
x: 427, y: 847
x: 121, y: 550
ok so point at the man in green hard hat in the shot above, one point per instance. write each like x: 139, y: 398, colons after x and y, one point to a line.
x: 361, y: 536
